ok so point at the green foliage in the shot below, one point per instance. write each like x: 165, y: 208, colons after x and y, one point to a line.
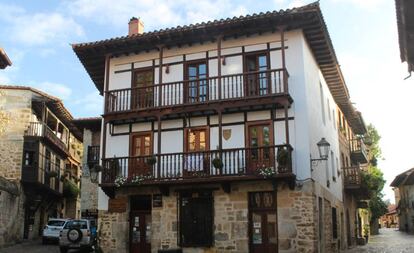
x: 70, y: 190
x: 373, y: 180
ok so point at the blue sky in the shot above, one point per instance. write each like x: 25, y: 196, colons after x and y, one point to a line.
x: 37, y: 36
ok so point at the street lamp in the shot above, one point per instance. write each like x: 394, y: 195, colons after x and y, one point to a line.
x: 323, y: 148
x: 94, y: 173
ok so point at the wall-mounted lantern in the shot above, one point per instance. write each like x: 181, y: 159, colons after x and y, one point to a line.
x: 324, y: 148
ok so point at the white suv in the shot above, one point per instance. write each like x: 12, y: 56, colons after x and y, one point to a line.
x: 76, y: 234
x: 52, y: 230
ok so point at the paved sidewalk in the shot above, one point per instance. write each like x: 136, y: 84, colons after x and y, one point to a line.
x: 388, y: 241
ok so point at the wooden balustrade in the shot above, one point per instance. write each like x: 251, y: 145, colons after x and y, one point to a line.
x: 352, y: 176
x: 232, y: 87
x: 93, y: 155
x: 358, y: 151
x: 40, y: 129
x: 192, y: 165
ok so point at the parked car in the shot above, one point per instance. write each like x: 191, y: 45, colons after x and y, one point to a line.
x: 76, y: 234
x: 52, y: 230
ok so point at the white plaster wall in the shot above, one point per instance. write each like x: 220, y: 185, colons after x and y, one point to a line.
x: 318, y: 129
x: 172, y: 141
x: 117, y: 146
x: 141, y: 127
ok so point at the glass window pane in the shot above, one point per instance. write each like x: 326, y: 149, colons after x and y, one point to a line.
x: 257, y: 228
x: 266, y: 136
x: 272, y: 228
x: 192, y: 72
x: 191, y: 141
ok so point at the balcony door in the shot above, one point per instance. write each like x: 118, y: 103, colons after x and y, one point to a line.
x: 141, y: 150
x: 196, y: 158
x: 260, y: 154
x: 142, y: 94
x: 197, y: 85
x: 257, y: 80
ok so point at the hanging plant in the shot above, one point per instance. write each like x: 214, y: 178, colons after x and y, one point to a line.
x: 218, y: 163
x: 151, y: 160
x: 70, y: 190
x: 267, y: 172
x: 120, y: 180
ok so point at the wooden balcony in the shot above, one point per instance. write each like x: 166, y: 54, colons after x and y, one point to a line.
x: 39, y: 176
x: 41, y: 130
x: 352, y: 177
x: 93, y: 155
x: 252, y: 88
x: 198, y: 167
x: 358, y: 151
x: 354, y: 184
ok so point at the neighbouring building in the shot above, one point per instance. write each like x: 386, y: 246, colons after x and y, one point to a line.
x: 405, y: 23
x: 390, y: 219
x: 40, y: 152
x: 210, y: 133
x: 405, y: 206
x: 4, y: 59
x: 91, y: 128
x: 354, y: 159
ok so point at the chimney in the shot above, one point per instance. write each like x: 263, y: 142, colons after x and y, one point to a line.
x: 136, y: 26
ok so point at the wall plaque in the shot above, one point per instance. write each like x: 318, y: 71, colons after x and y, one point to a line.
x: 157, y: 200
x: 118, y: 204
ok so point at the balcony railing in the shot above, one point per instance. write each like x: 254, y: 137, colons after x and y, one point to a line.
x: 358, y: 151
x: 180, y: 166
x: 39, y: 129
x: 352, y: 177
x: 42, y: 173
x: 211, y: 89
x: 93, y: 155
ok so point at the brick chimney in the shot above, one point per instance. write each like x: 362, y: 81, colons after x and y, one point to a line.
x: 136, y: 26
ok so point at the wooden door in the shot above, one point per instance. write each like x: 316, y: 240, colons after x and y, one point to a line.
x: 196, y: 159
x: 263, y: 231
x: 257, y: 81
x: 142, y: 95
x: 140, y: 231
x: 197, y: 85
x: 141, y: 150
x: 259, y: 153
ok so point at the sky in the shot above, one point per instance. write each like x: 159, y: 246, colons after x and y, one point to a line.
x: 37, y: 36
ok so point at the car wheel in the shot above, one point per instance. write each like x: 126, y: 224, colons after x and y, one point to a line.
x: 63, y: 250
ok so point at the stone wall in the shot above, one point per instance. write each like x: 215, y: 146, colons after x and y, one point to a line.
x: 297, y: 220
x: 11, y: 218
x: 89, y: 193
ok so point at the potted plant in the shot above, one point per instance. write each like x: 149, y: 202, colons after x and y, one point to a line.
x: 218, y: 164
x: 151, y: 161
x: 283, y: 159
x: 70, y: 190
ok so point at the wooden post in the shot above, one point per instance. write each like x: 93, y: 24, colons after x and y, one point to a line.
x: 220, y: 130
x: 161, y: 49
x: 106, y: 88
x: 287, y: 123
x: 159, y: 146
x: 282, y: 44
x: 219, y: 39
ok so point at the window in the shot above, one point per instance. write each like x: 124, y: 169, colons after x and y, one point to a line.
x: 257, y: 80
x: 322, y: 103
x: 333, y: 166
x: 196, y: 74
x: 28, y: 158
x: 334, y: 224
x: 196, y: 219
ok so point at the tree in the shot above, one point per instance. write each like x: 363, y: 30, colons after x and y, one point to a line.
x: 374, y: 180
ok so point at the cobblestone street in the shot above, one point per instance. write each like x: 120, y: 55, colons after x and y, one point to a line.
x: 388, y: 241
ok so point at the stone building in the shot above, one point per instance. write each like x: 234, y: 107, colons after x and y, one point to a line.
x: 91, y: 128
x: 222, y: 136
x: 405, y: 206
x: 40, y: 152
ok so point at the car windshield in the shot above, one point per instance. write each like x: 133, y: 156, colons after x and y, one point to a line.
x: 80, y: 224
x: 56, y: 223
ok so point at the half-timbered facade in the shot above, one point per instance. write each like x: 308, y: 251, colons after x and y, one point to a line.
x: 41, y: 150
x: 209, y: 132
